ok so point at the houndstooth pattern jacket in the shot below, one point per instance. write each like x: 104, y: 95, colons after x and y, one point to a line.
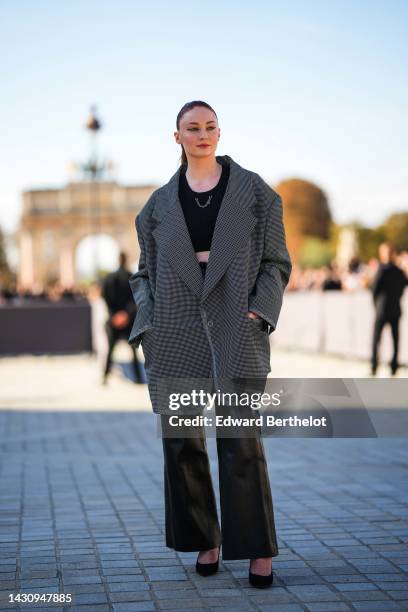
x: 197, y: 328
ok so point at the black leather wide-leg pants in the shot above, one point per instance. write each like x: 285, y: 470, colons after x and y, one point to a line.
x: 247, y: 518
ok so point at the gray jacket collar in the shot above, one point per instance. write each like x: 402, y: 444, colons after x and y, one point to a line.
x: 233, y: 227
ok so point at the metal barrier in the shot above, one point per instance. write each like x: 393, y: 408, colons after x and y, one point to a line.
x: 43, y: 327
x: 338, y: 323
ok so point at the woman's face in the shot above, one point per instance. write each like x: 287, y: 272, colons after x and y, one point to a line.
x: 198, y: 127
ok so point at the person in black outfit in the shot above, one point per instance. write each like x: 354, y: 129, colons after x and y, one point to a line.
x: 387, y: 288
x: 122, y: 309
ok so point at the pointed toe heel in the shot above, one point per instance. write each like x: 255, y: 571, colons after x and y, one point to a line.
x: 206, y: 569
x: 260, y: 582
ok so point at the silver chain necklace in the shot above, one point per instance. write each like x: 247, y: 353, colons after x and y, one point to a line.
x: 203, y: 205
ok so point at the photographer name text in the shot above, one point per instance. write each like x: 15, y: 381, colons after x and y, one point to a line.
x: 228, y: 421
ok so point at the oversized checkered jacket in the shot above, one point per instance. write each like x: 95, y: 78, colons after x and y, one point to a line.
x: 197, y: 328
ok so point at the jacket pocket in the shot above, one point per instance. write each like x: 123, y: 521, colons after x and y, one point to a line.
x: 258, y: 329
x: 258, y: 324
x: 148, y: 345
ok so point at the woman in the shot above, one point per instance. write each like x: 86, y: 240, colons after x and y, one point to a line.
x: 213, y: 267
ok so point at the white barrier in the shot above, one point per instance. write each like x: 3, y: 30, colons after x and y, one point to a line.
x: 337, y: 323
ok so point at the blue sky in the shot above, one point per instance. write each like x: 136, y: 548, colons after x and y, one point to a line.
x: 316, y: 90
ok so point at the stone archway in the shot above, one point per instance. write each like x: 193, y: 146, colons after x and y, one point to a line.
x: 95, y: 252
x: 54, y: 221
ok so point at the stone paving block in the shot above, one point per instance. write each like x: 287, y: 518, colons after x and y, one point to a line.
x: 7, y: 569
x: 134, y: 606
x: 7, y: 560
x: 44, y: 606
x: 90, y: 598
x: 400, y: 596
x: 307, y: 571
x: 333, y: 563
x: 112, y: 558
x: 328, y: 606
x: 81, y: 565
x: 126, y: 563
x: 6, y: 585
x: 112, y: 578
x: 237, y: 606
x: 159, y: 576
x: 163, y: 553
x: 273, y: 594
x: 214, y: 592
x: 127, y: 596
x: 163, y: 563
x: 218, y: 581
x: 85, y: 588
x: 186, y: 604
x: 387, y: 577
x: 394, y: 586
x: 365, y: 595
x: 282, y: 608
x: 118, y: 587
x: 301, y: 580
x: 70, y: 580
x: 317, y: 592
x: 90, y: 608
x: 230, y: 602
x: 355, y: 586
x: 378, y: 565
x: 118, y: 571
x: 52, y: 589
x: 32, y: 573
x: 294, y: 564
x: 72, y: 557
x: 346, y: 578
x: 341, y: 571
x: 7, y: 605
x: 186, y: 593
x: 373, y: 606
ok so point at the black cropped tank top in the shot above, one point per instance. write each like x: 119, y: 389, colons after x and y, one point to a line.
x: 201, y: 208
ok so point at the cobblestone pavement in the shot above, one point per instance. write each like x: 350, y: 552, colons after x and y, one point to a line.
x: 81, y: 511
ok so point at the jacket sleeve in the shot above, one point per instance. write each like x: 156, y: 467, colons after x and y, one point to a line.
x: 142, y: 294
x: 276, y: 266
x: 377, y: 284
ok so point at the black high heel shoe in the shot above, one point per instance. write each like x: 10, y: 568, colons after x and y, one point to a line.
x: 206, y: 569
x: 260, y: 582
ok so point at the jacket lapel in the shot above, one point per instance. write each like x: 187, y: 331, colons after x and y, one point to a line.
x: 173, y: 238
x: 233, y: 227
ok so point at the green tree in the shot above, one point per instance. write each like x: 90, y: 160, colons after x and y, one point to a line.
x: 315, y: 253
x: 396, y: 230
x: 369, y: 240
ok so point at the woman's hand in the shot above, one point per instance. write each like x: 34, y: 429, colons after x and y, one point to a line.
x: 252, y: 315
x: 120, y: 319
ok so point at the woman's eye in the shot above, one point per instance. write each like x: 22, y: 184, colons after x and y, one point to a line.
x: 195, y: 129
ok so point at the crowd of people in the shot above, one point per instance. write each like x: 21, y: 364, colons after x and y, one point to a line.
x: 356, y: 275
x: 11, y: 294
